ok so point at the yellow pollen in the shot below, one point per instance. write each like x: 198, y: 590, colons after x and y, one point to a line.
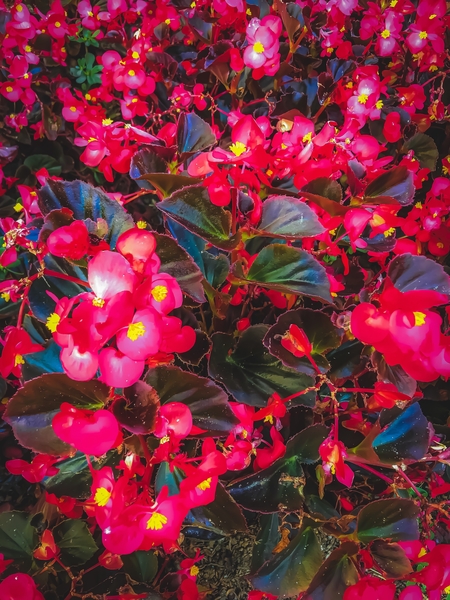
x: 135, y: 100
x: 18, y: 207
x: 379, y: 104
x: 307, y: 138
x: 244, y: 434
x: 90, y: 13
x: 283, y: 146
x: 418, y: 205
x: 248, y: 12
x: 6, y: 296
x: 440, y: 245
x: 192, y: 4
x: 349, y: 86
x: 238, y: 148
x: 135, y: 55
x: 19, y: 8
x: 394, y: 3
x: 362, y: 98
x: 269, y: 419
x: 73, y: 109
x: 102, y: 496
x: 435, y: 215
x: 194, y: 571
x: 269, y: 172
x: 135, y: 331
x: 159, y: 293
x: 389, y: 232
x: 57, y: 24
x: 422, y: 553
x: 156, y: 521
x: 348, y: 141
x: 53, y: 322
x: 9, y: 89
x: 164, y: 439
x: 385, y: 34
x: 433, y: 68
x: 167, y: 21
x: 205, y: 485
x: 141, y: 224
x: 33, y: 194
x: 330, y: 50
x: 98, y: 302
x: 433, y: 17
x: 87, y: 96
x: 423, y: 35
x: 92, y: 139
x: 131, y: 73
x: 258, y: 48
x: 419, y: 319
x: 18, y: 360
x: 106, y: 122
x: 27, y: 48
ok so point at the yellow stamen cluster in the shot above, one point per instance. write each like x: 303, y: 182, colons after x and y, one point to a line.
x: 159, y: 293
x: 135, y: 331
x: 419, y: 318
x: 156, y: 521
x: 238, y: 148
x: 102, y: 496
x: 53, y: 322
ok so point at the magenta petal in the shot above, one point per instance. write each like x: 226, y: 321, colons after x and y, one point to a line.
x: 92, y: 434
x: 142, y: 337
x: 110, y: 273
x: 80, y: 366
x: 117, y: 369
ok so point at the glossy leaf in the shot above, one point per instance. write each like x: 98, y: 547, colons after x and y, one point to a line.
x: 327, y: 194
x: 281, y: 484
x: 75, y: 541
x: 266, y: 540
x: 335, y: 575
x: 167, y: 183
x: 250, y: 373
x: 137, y: 410
x: 86, y: 202
x: 207, y: 402
x: 193, y: 134
x: 291, y: 571
x: 288, y: 218
x: 192, y: 208
x: 391, y: 558
x: 424, y: 148
x: 395, y: 519
x: 141, y: 566
x: 146, y: 161
x: 176, y: 262
x: 394, y: 374
x: 31, y: 410
x: 18, y: 538
x: 409, y: 272
x: 39, y: 363
x: 397, y: 183
x: 288, y: 270
x: 320, y: 331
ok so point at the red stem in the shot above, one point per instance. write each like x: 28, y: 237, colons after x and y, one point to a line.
x: 148, y: 458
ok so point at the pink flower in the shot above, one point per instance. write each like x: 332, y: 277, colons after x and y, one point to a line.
x: 41, y: 466
x: 19, y: 586
x: 333, y: 454
x: 174, y: 420
x: 263, y: 39
x: 370, y: 588
x: 71, y: 241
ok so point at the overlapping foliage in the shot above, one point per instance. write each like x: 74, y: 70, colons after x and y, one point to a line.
x: 224, y: 292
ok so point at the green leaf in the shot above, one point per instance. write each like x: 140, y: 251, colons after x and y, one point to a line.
x: 397, y: 183
x: 39, y: 363
x: 424, y: 148
x: 408, y: 272
x: 167, y: 183
x: 192, y: 208
x: 320, y: 331
x: 193, y: 134
x: 86, y: 202
x: 18, y: 538
x: 288, y: 218
x: 288, y: 270
x: 280, y: 486
x: 75, y: 541
x: 266, y: 540
x: 43, y: 161
x: 326, y: 193
x: 335, y: 575
x: 137, y: 410
x: 395, y: 519
x: 74, y: 477
x: 250, y: 373
x: 292, y: 570
x: 141, y: 566
x: 31, y: 410
x: 207, y: 402
x: 391, y: 558
x: 176, y: 261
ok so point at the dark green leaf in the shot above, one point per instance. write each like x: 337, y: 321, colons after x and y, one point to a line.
x: 31, y: 410
x: 167, y: 183
x: 137, y: 410
x: 292, y: 570
x: 397, y: 183
x: 327, y: 194
x: 395, y: 519
x: 280, y: 486
x: 266, y: 540
x: 192, y: 208
x: 335, y: 575
x: 320, y: 331
x: 288, y: 218
x: 207, y: 402
x: 193, y: 134
x: 18, y: 538
x: 408, y: 272
x: 394, y: 374
x: 38, y: 363
x: 86, y: 202
x: 43, y: 161
x: 146, y: 161
x: 250, y: 373
x: 288, y: 270
x: 391, y: 558
x: 176, y: 262
x: 215, y: 268
x: 141, y: 566
x: 75, y: 541
x: 424, y: 148
x: 346, y: 361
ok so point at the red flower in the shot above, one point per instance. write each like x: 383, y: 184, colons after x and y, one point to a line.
x: 333, y: 454
x: 370, y: 588
x: 41, y: 466
x: 47, y: 549
x: 19, y: 586
x: 17, y: 343
x: 71, y: 241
